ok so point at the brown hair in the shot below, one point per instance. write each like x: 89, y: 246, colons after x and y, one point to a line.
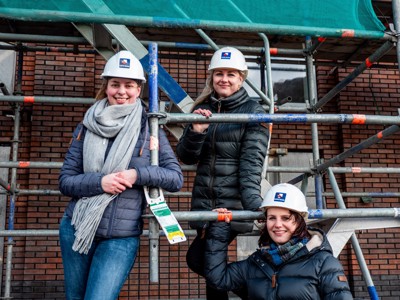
x: 300, y: 232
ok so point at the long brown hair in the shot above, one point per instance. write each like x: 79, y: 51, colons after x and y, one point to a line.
x: 300, y: 232
x: 101, y: 94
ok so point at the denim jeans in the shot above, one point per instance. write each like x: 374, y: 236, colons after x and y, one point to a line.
x: 100, y: 274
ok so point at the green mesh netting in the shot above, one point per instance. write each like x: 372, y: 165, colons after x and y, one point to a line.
x: 357, y: 15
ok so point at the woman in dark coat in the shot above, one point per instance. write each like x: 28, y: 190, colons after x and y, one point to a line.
x: 229, y: 156
x: 292, y: 262
x: 104, y: 172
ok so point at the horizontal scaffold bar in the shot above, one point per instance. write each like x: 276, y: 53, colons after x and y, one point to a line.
x: 47, y: 99
x: 271, y: 169
x: 21, y: 192
x: 240, y: 215
x: 55, y: 232
x: 313, y: 214
x: 164, y: 118
x: 356, y: 119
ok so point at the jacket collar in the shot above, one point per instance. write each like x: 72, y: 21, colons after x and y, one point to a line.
x: 229, y: 103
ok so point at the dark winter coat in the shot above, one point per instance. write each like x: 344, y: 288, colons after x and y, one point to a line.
x: 229, y: 158
x: 122, y: 217
x: 313, y: 274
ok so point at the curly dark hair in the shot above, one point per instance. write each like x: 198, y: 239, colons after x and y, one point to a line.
x: 300, y: 232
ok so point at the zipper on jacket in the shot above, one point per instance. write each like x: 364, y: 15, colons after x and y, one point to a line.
x: 214, y: 159
x: 260, y: 262
x: 213, y: 205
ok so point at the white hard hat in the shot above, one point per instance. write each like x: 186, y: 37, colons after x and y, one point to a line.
x: 229, y: 58
x: 124, y: 65
x: 288, y: 196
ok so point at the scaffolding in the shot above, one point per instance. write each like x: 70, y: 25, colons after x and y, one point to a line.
x: 346, y: 221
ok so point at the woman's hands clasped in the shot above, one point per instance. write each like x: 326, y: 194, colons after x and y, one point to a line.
x: 116, y: 183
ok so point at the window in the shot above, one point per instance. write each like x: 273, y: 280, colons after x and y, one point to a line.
x: 289, y: 80
x: 7, y: 65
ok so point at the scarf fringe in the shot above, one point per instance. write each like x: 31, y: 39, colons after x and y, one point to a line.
x: 86, y: 219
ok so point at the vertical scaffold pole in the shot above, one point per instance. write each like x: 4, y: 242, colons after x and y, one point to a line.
x: 396, y: 20
x: 354, y: 241
x: 10, y: 241
x: 314, y: 126
x: 153, y: 123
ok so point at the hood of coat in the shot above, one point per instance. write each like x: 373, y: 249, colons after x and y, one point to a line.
x: 315, y: 241
x: 318, y: 241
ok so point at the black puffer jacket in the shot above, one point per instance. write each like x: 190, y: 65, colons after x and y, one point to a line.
x: 312, y: 274
x: 230, y: 159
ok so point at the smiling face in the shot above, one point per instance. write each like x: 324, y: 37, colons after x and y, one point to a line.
x: 281, y: 224
x: 122, y: 91
x: 226, y: 82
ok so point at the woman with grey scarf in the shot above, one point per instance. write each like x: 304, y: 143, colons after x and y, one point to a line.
x: 104, y: 172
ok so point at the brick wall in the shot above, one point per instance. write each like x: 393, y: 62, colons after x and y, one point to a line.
x: 46, y: 130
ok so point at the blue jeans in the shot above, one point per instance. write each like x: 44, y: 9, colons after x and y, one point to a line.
x: 100, y: 274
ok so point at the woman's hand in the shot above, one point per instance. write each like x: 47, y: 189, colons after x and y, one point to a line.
x: 130, y: 175
x: 223, y: 214
x: 116, y: 183
x: 201, y: 127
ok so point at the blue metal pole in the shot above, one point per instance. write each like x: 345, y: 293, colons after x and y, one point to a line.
x: 153, y: 71
x: 154, y: 231
x: 11, y: 218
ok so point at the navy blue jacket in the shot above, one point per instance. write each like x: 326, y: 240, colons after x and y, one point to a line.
x: 312, y: 274
x: 123, y: 216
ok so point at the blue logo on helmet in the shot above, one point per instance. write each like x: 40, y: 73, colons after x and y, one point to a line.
x: 226, y: 55
x: 280, y: 197
x: 124, y: 63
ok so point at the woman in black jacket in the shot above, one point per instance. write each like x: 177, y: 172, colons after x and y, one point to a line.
x: 229, y: 156
x: 292, y: 262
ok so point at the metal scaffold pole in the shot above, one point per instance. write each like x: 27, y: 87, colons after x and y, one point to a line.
x: 13, y: 198
x: 311, y: 84
x: 396, y: 20
x: 354, y: 240
x: 153, y: 121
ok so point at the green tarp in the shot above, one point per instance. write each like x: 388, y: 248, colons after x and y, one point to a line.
x: 290, y: 17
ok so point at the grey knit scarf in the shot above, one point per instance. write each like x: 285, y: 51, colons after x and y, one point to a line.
x: 104, y: 121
